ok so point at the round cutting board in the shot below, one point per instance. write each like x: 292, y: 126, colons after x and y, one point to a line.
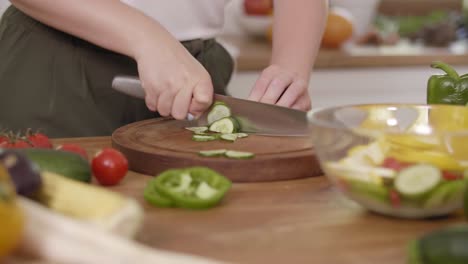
x: 152, y: 146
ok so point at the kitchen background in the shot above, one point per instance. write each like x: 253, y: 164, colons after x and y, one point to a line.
x: 374, y: 51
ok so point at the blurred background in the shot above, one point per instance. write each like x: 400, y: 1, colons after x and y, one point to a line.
x: 373, y: 51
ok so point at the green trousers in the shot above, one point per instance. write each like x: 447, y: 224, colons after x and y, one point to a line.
x: 60, y: 84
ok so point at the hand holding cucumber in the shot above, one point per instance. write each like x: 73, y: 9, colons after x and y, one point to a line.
x: 281, y: 86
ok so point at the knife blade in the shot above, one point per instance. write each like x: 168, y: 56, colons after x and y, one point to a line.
x: 254, y: 117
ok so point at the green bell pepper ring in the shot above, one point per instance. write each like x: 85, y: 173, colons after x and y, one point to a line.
x: 193, y: 188
x: 154, y: 197
x: 450, y: 88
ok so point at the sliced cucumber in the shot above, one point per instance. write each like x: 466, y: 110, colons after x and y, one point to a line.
x: 227, y: 125
x: 239, y: 154
x: 242, y: 135
x: 203, y: 137
x: 229, y: 137
x: 219, y: 111
x: 197, y: 130
x: 417, y: 180
x: 212, y: 153
x: 202, y: 133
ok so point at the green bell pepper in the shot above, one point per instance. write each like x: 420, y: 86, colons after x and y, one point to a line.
x: 193, y: 188
x: 450, y: 88
x: 154, y: 197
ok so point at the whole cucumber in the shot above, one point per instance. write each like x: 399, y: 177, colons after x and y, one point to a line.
x: 444, y: 246
x: 64, y: 163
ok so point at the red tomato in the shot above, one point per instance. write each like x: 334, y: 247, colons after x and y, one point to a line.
x: 394, y: 164
x: 109, y: 166
x: 39, y: 140
x: 395, y: 198
x: 16, y: 144
x: 450, y: 176
x: 74, y: 148
x: 3, y: 139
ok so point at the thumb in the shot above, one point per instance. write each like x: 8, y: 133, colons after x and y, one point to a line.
x: 202, y: 98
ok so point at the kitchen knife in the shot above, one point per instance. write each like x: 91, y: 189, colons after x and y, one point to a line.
x: 254, y: 117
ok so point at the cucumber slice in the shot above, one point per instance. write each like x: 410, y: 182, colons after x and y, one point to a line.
x: 417, y: 180
x: 242, y: 135
x: 212, y: 153
x: 219, y: 111
x: 197, y: 130
x: 229, y: 137
x: 227, y: 125
x: 203, y: 138
x: 239, y: 154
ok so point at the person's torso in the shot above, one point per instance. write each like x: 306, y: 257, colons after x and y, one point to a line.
x: 185, y: 19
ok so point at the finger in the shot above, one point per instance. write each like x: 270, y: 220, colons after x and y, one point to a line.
x: 262, y: 83
x: 303, y: 103
x: 151, y: 97
x: 181, y: 104
x: 293, y: 93
x: 276, y: 88
x: 165, y: 102
x: 202, y: 98
x: 151, y: 100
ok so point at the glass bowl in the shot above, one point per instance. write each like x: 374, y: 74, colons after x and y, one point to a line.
x: 399, y: 160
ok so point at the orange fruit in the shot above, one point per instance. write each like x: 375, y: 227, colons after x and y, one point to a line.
x: 339, y: 28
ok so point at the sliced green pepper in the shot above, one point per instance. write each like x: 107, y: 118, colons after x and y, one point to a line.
x: 154, y: 197
x: 450, y: 88
x: 194, y: 188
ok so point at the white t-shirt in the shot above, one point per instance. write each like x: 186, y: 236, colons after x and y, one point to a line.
x: 185, y: 19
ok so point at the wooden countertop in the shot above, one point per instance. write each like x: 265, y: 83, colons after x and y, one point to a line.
x: 300, y: 221
x: 254, y: 55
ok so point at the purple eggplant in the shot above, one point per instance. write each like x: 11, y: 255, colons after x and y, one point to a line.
x: 24, y: 173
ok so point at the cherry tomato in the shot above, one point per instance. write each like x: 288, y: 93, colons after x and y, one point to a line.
x: 450, y: 176
x: 109, y: 166
x: 394, y: 164
x: 74, y: 148
x: 3, y: 138
x: 395, y: 199
x: 39, y: 140
x: 16, y: 144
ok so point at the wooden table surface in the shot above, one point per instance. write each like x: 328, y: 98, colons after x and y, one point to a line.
x: 299, y: 221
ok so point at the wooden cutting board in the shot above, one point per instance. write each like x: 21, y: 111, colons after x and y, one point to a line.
x: 155, y: 145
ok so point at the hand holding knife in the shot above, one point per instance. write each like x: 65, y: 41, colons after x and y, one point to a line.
x: 260, y: 118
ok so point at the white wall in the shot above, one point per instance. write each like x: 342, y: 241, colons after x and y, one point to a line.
x: 331, y: 87
x: 3, y: 6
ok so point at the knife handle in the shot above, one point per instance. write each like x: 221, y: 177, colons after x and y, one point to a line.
x: 131, y: 86
x: 128, y: 85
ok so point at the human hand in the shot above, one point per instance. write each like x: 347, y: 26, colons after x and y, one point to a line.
x: 283, y: 87
x: 175, y: 82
